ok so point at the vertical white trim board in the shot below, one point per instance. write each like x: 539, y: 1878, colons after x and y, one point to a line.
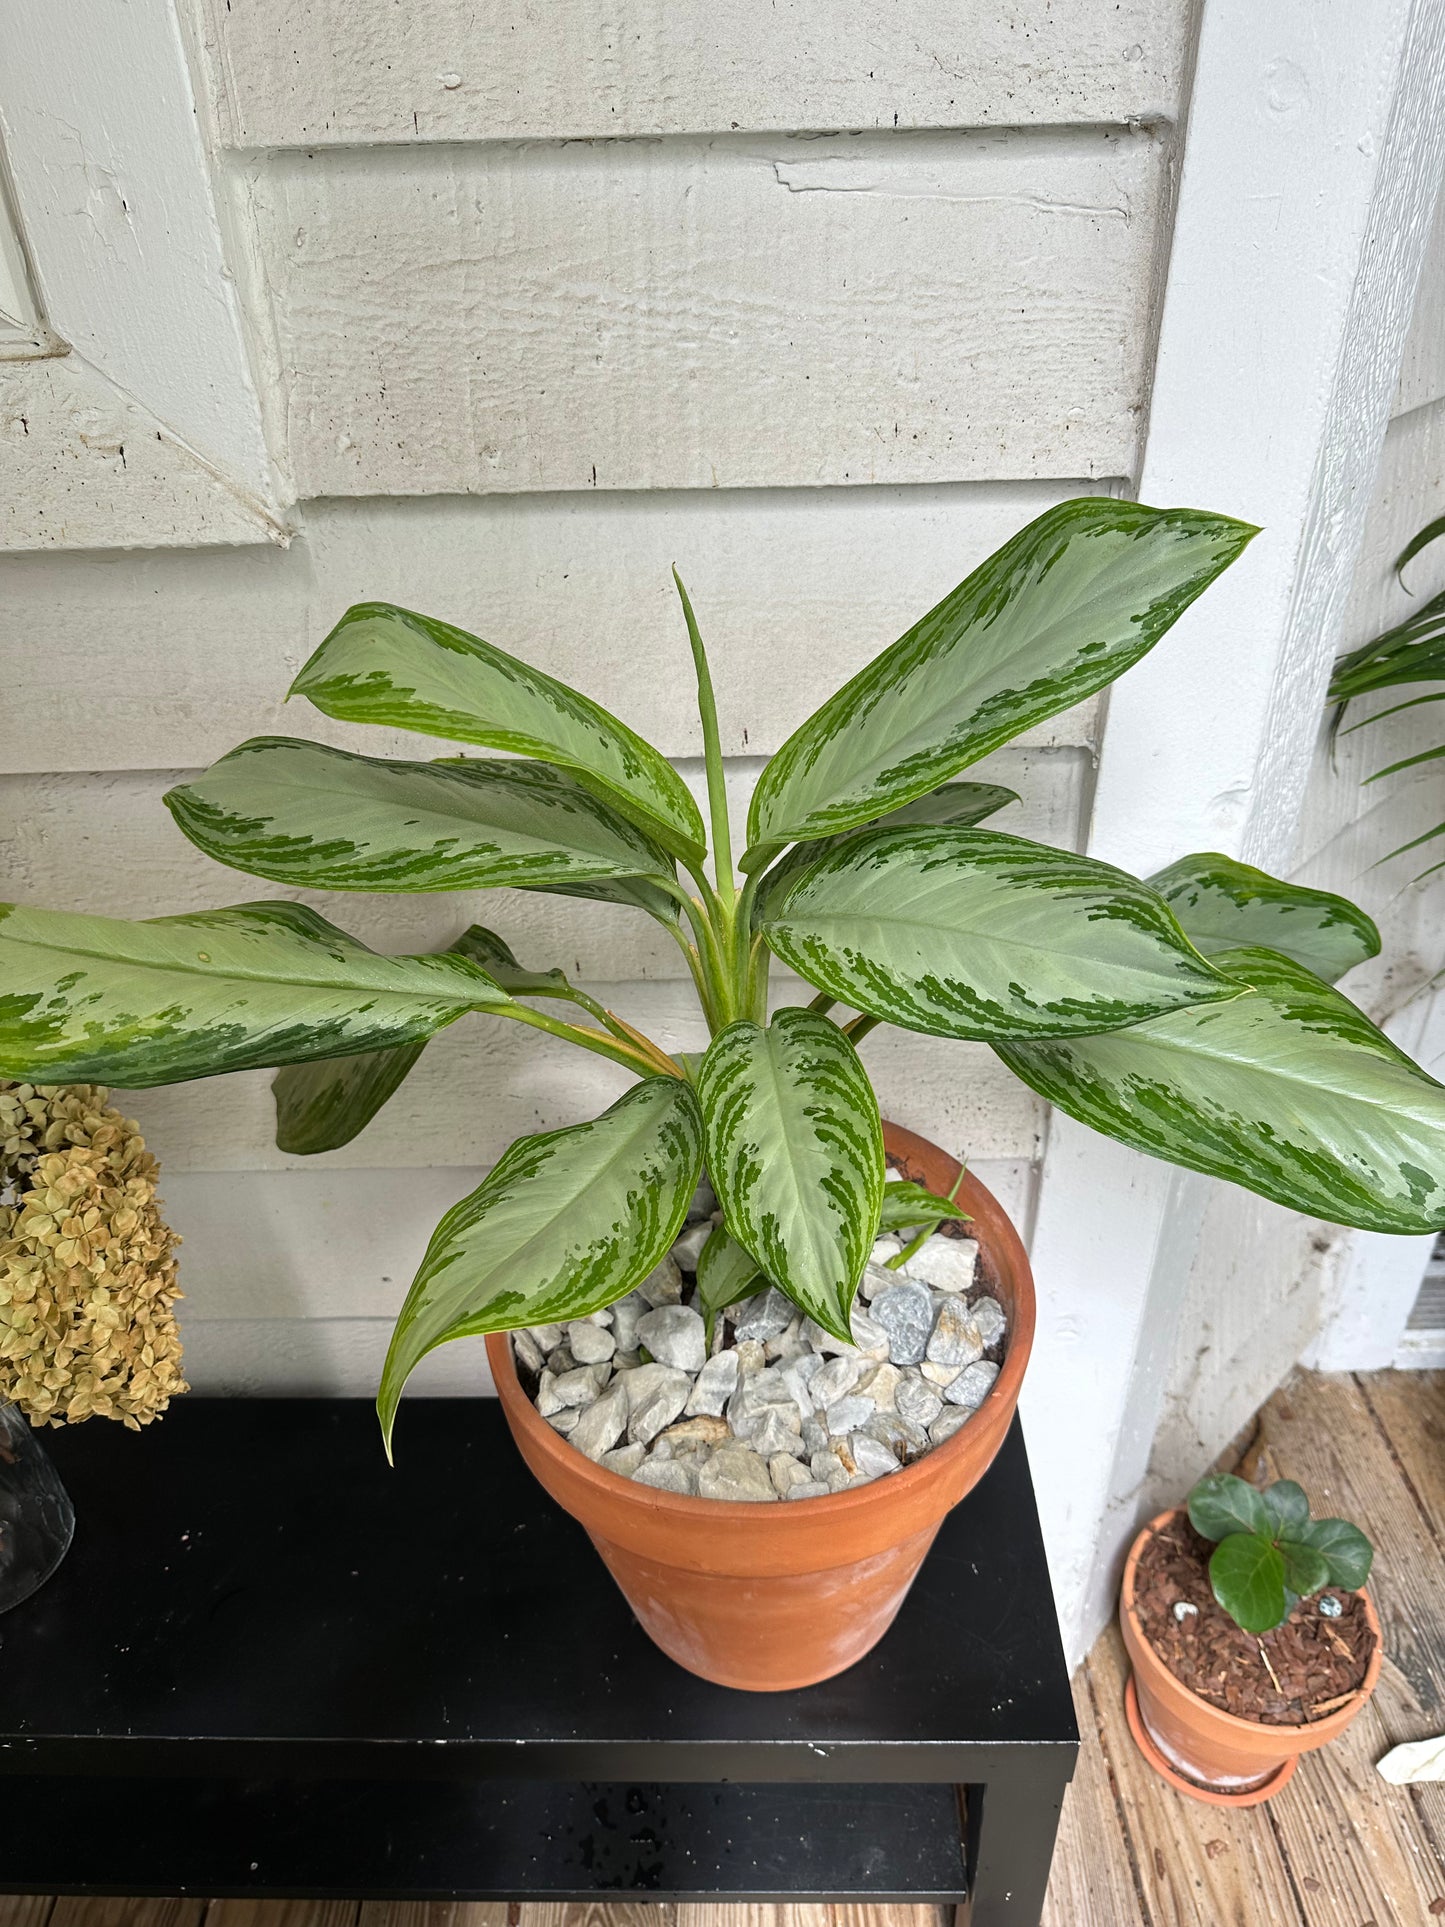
x: 1313, y: 151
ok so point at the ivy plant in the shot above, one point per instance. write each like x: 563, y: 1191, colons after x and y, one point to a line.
x: 1190, y: 1015
x: 1270, y: 1553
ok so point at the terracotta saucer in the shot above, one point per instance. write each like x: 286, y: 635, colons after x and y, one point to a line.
x: 1251, y: 1797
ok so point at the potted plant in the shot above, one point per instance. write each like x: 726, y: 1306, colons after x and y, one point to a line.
x: 1251, y: 1637
x: 87, y: 1303
x: 1191, y: 1016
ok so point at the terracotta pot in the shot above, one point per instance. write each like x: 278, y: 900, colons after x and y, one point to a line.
x: 771, y: 1597
x: 1209, y: 1754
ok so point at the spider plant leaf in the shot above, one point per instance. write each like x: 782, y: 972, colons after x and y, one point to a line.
x: 320, y: 818
x: 1421, y: 539
x: 1067, y: 605
x: 970, y: 933
x: 323, y: 1105
x: 566, y: 1222
x: 1288, y: 1090
x: 1222, y: 904
x: 383, y: 664
x: 103, y: 1000
x: 795, y: 1153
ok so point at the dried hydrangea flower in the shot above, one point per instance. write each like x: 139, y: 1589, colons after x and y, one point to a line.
x: 87, y: 1262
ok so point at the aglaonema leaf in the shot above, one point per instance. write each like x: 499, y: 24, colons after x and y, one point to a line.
x: 1067, y: 605
x: 726, y: 1274
x: 383, y: 664
x: 565, y: 1223
x: 795, y: 1153
x: 1225, y: 905
x: 305, y: 814
x: 1221, y: 1504
x: 906, y: 1203
x: 1288, y: 1090
x: 321, y: 1106
x: 970, y: 933
x: 1247, y: 1575
x: 102, y: 1000
x: 1346, y: 1551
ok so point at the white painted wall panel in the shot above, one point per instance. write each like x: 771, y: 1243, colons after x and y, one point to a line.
x: 1422, y: 370
x: 705, y: 314
x: 359, y: 71
x: 171, y: 660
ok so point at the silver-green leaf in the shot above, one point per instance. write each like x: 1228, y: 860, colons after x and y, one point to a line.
x: 970, y: 933
x: 1288, y: 1090
x: 725, y: 1274
x: 565, y: 1223
x: 795, y: 1153
x: 322, y: 818
x: 1060, y: 611
x: 1223, y: 904
x: 99, y: 999
x: 382, y: 664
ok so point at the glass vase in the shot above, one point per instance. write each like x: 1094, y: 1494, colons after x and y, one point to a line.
x: 36, y: 1516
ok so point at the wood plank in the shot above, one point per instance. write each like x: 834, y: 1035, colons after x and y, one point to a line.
x: 101, y: 1910
x: 597, y: 1913
x: 282, y: 1913
x: 1409, y: 1409
x: 445, y: 70
x: 1364, y: 1845
x: 25, y: 1910
x: 435, y: 1913
x: 1095, y: 1881
x: 82, y: 466
x: 1422, y: 369
x: 169, y: 660
x: 879, y: 308
x: 1199, y: 1866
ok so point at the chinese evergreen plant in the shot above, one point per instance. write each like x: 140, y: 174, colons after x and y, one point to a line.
x: 1270, y: 1553
x: 1191, y: 1016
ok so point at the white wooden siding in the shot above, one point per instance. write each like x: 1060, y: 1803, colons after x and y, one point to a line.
x: 170, y: 660
x: 703, y: 314
x: 337, y: 71
x: 1422, y: 371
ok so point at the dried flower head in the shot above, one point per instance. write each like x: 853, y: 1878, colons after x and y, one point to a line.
x: 87, y: 1262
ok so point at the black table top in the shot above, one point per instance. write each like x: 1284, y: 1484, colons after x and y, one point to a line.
x: 252, y: 1590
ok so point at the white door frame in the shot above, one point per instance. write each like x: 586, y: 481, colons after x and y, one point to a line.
x: 1314, y: 146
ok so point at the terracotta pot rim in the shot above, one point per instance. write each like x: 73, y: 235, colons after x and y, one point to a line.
x: 838, y: 1505
x: 1329, y: 1726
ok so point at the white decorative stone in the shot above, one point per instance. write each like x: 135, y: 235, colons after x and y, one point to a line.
x: 905, y: 1440
x: 786, y: 1472
x: 945, y: 1263
x: 687, y: 1249
x: 834, y: 1380
x: 715, y: 1385
x: 875, y: 1277
x: 991, y: 1319
x: 548, y: 1337
x: 845, y: 1415
x: 917, y: 1400
x: 800, y: 1375
x: 603, y: 1422
x: 704, y: 1203
x: 905, y: 1312
x: 565, y: 1420
x: 788, y: 1345
x: 939, y: 1375
x: 656, y: 1394
x: 560, y: 1359
x: 828, y: 1467
x: 625, y: 1315
x: 668, y: 1475
x: 623, y: 1459
x: 948, y: 1422
x: 972, y: 1386
x: 772, y: 1431
x: 825, y: 1342
x: 527, y: 1351
x: 675, y: 1335
x: 809, y: 1489
x: 764, y: 1316
x: 868, y: 1335
x: 815, y: 1435
x: 582, y: 1384
x: 663, y: 1286
x: 879, y: 1384
x: 690, y: 1432
x: 871, y: 1459
x: 547, y: 1399
x: 955, y: 1339
x: 736, y: 1473
x: 751, y: 1357
x: 884, y: 1248
x: 590, y: 1344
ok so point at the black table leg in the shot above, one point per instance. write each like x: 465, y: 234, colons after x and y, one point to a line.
x: 1009, y: 1830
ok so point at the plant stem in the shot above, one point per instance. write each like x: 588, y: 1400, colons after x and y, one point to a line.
x: 857, y: 1028
x: 924, y: 1232
x: 630, y: 1055
x: 822, y: 1003
x: 717, y: 796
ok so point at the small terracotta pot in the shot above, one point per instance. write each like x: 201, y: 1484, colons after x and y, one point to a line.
x: 1209, y: 1754
x: 772, y: 1597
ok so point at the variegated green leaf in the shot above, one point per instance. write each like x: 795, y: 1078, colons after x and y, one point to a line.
x: 381, y: 664
x: 321, y: 1106
x: 1288, y: 1090
x: 970, y: 933
x: 565, y: 1223
x: 725, y: 1274
x: 1222, y: 904
x: 1067, y: 605
x: 634, y: 893
x: 953, y: 805
x: 795, y: 1153
x: 302, y: 813
x: 906, y: 1203
x: 102, y: 1000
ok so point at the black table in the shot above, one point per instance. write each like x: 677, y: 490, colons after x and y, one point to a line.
x: 271, y: 1665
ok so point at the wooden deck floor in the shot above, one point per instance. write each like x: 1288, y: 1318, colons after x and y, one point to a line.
x: 1338, y: 1848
